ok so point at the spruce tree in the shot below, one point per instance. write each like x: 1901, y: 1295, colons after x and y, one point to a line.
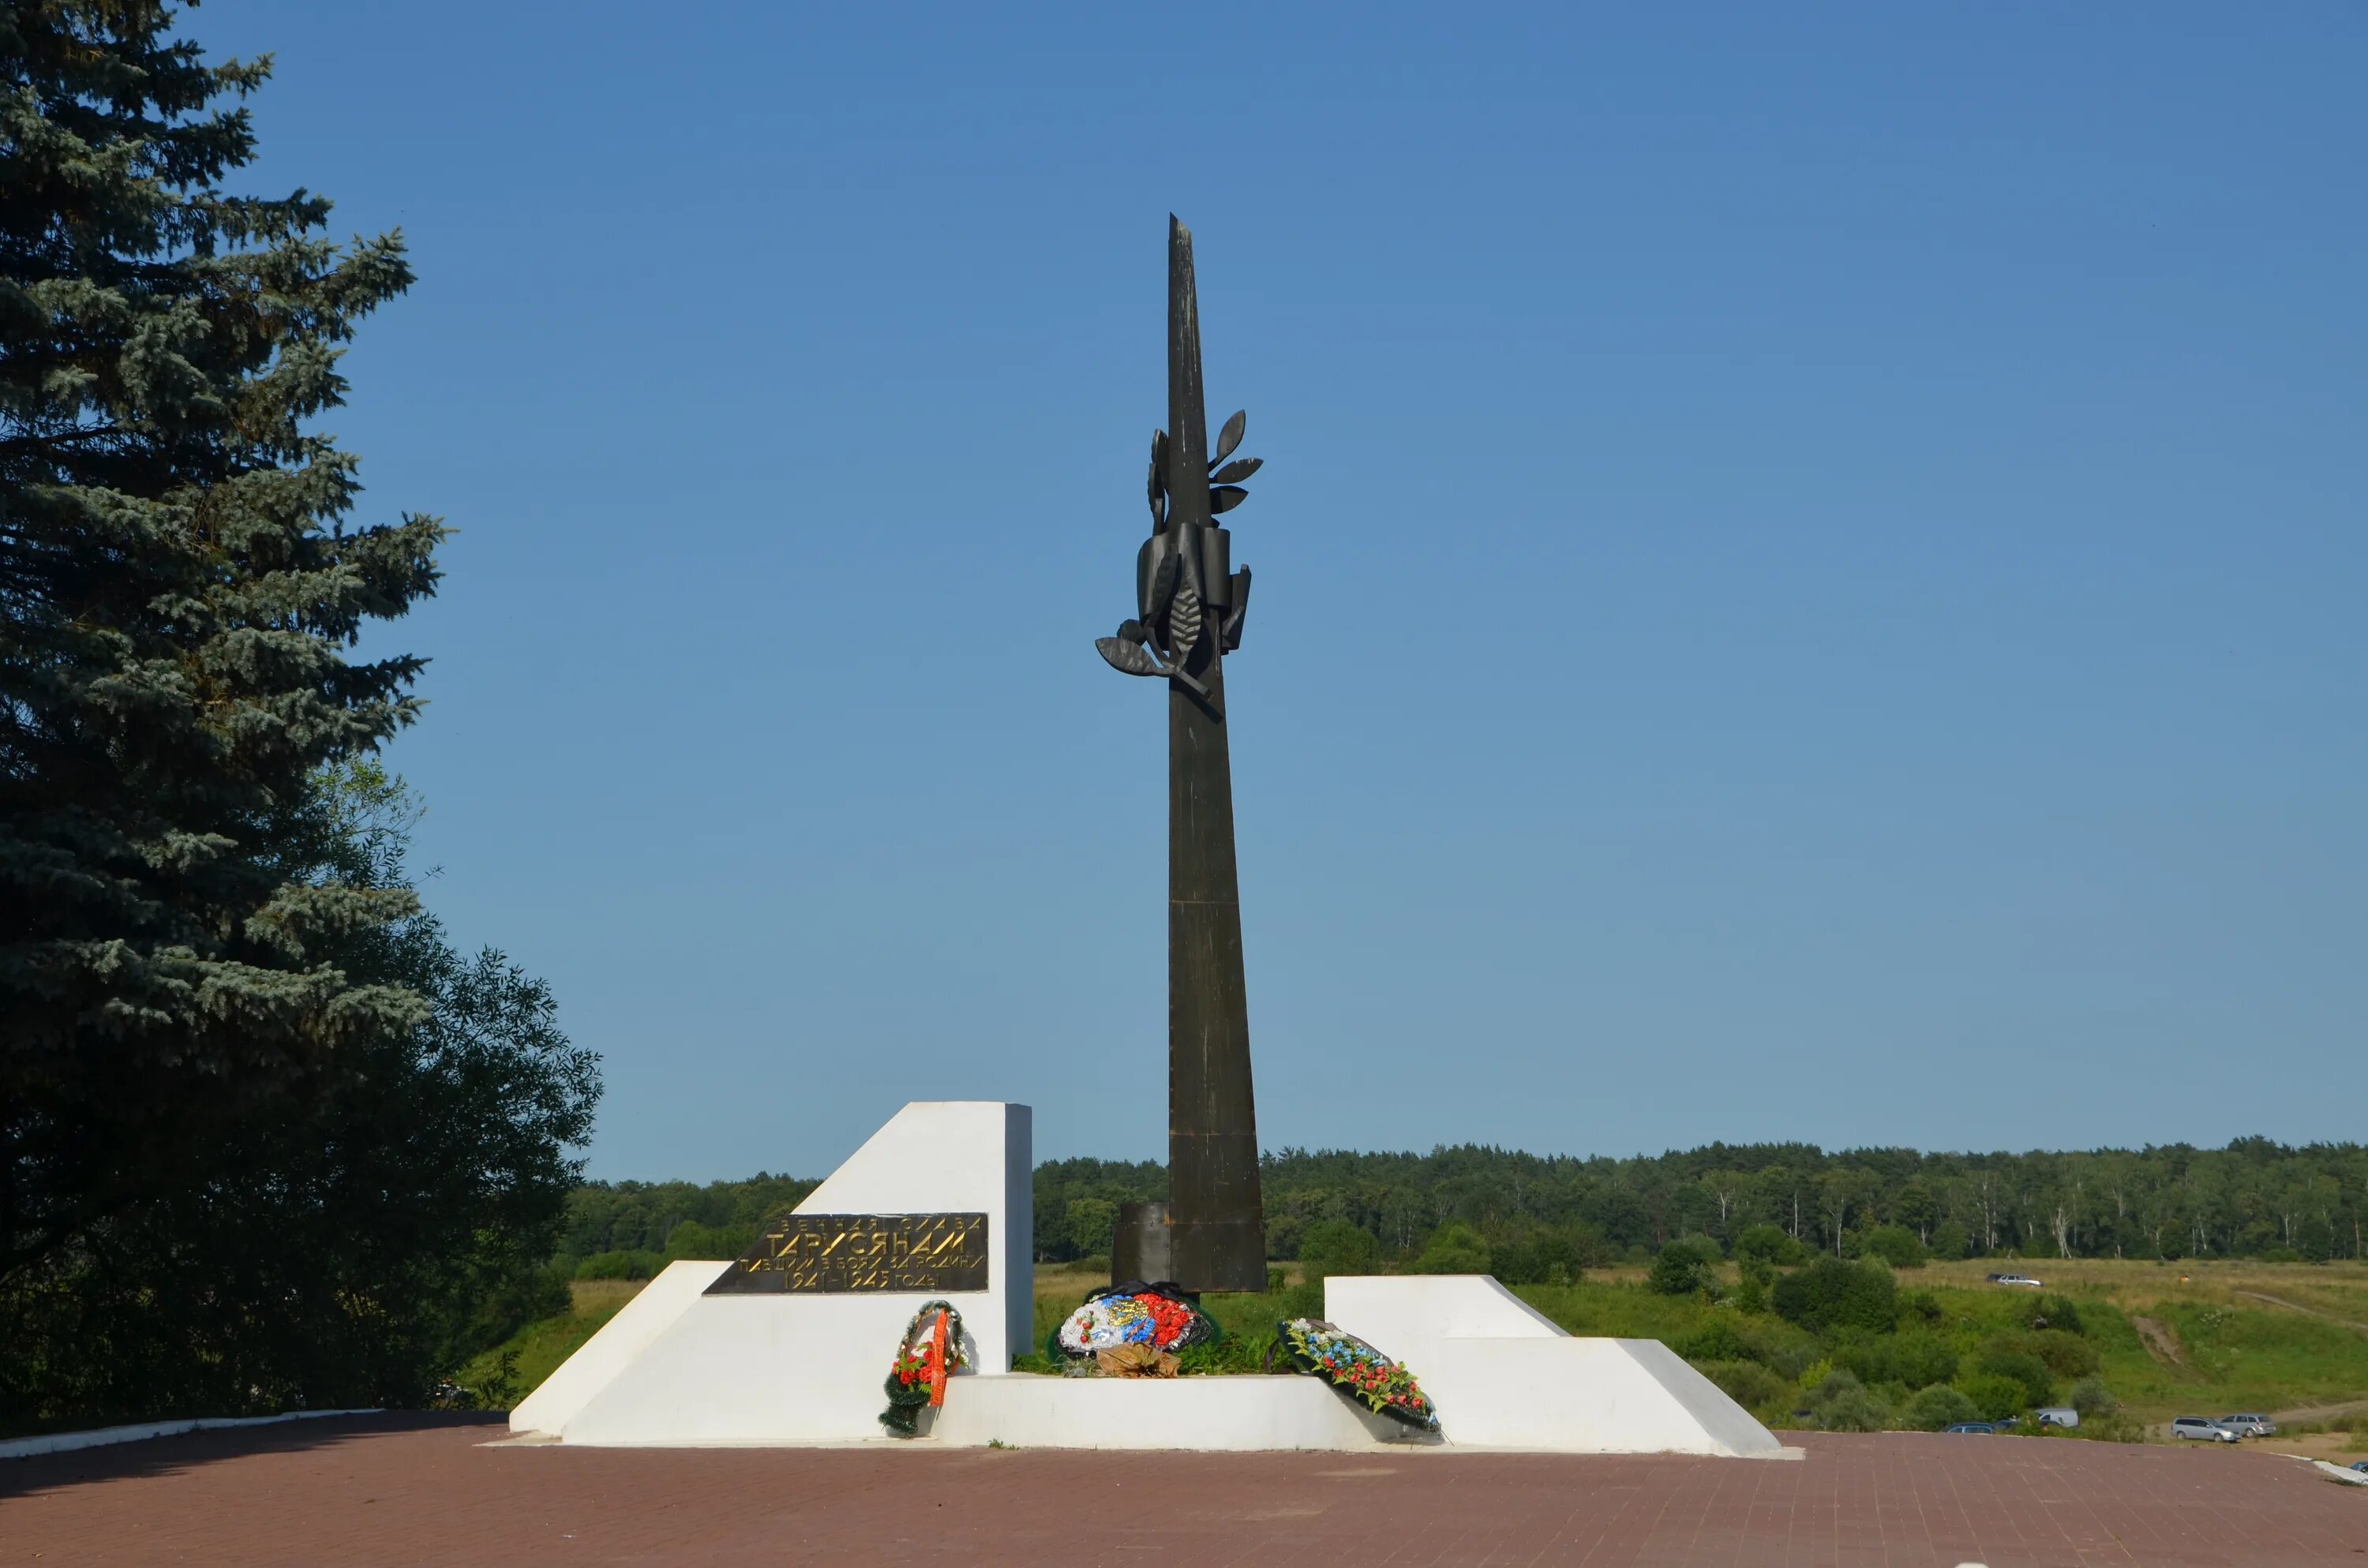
x: 180, y: 592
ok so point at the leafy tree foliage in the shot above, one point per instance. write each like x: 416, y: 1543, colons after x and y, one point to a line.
x: 1680, y: 1270
x: 644, y: 1218
x: 1453, y: 1248
x: 1938, y: 1407
x: 1336, y: 1246
x: 1771, y: 1201
x: 350, y: 1254
x: 2028, y: 1371
x: 1092, y: 1225
x: 266, y: 1138
x: 1912, y: 1360
x: 1894, y: 1244
x: 1545, y: 1256
x: 1832, y: 1294
x: 1997, y: 1395
x: 2092, y: 1399
x: 178, y: 598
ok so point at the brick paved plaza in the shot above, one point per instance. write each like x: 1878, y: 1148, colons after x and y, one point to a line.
x: 412, y: 1490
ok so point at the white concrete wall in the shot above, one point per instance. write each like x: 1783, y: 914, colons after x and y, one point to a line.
x: 1505, y: 1376
x: 600, y: 1358
x: 1380, y: 1309
x: 776, y: 1369
x: 1225, y: 1415
x: 954, y: 1157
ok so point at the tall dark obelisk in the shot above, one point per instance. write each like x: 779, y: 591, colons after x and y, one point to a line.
x: 1192, y: 606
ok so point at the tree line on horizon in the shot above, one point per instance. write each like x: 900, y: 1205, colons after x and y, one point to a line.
x: 1529, y: 1213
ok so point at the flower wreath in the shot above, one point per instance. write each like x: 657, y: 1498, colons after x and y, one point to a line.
x: 1135, y: 1328
x: 931, y: 1349
x: 1355, y: 1368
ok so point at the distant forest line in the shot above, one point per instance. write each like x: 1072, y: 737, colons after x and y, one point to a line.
x: 2253, y: 1199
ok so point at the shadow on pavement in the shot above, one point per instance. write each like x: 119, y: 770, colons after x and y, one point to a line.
x: 159, y: 1456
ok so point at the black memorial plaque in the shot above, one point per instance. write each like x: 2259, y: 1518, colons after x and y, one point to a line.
x: 803, y: 1253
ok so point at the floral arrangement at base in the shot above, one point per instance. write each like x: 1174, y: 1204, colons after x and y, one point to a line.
x: 929, y: 1351
x: 1133, y: 1330
x: 1355, y: 1368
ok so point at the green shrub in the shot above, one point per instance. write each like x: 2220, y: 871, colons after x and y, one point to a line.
x: 1679, y: 1271
x: 1336, y: 1246
x: 2028, y: 1371
x: 1544, y: 1257
x: 2066, y: 1355
x: 2093, y: 1400
x: 1749, y: 1384
x: 632, y: 1265
x: 1938, y: 1407
x: 1453, y: 1248
x: 1756, y: 1274
x: 1841, y: 1403
x: 2057, y: 1312
x: 1718, y: 1340
x: 1949, y: 1239
x: 1704, y: 1246
x: 1768, y: 1243
x: 1993, y: 1395
x: 1831, y: 1294
x: 1914, y: 1361
x: 1895, y: 1244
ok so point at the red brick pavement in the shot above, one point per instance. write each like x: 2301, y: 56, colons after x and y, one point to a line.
x: 348, y: 1494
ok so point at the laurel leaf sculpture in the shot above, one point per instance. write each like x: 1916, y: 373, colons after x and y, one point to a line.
x: 1163, y: 586
x: 1234, y: 473
x: 1225, y: 497
x: 1231, y: 436
x: 1183, y: 623
x: 1129, y: 658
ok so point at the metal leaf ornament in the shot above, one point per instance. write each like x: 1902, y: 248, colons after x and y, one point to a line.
x: 1234, y: 473
x: 1183, y: 623
x: 1225, y: 497
x: 1157, y: 486
x: 1163, y: 585
x: 1231, y: 436
x: 1128, y: 656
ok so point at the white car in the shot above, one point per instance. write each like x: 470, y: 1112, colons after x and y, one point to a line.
x: 2203, y: 1429
x: 2250, y: 1426
x: 2023, y: 1279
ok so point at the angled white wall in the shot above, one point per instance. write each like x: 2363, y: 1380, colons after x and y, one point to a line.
x: 600, y: 1358
x: 1504, y: 1375
x: 809, y: 1368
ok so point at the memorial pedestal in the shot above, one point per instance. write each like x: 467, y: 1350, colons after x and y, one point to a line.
x: 792, y: 1344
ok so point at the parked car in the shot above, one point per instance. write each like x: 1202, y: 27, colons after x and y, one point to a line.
x: 2250, y: 1426
x: 2361, y: 1465
x: 1973, y: 1427
x: 2203, y: 1429
x: 2058, y: 1415
x: 2023, y: 1279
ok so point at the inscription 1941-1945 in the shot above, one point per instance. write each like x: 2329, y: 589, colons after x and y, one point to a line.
x: 802, y: 1253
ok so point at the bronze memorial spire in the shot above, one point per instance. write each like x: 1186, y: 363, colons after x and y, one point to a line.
x: 1191, y: 603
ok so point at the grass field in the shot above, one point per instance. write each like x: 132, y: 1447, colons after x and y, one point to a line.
x: 2171, y: 1339
x: 541, y: 1345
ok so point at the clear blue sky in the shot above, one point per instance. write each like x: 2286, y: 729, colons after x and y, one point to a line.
x: 1810, y: 568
